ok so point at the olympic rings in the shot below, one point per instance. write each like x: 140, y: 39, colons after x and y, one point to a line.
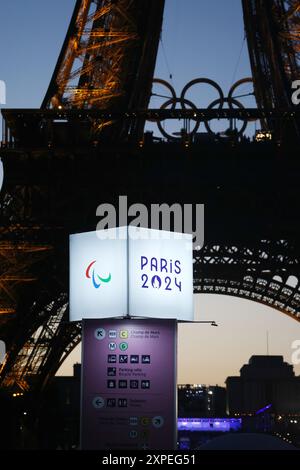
x: 203, y: 80
x: 236, y: 85
x: 173, y: 100
x: 230, y: 101
x: 168, y: 86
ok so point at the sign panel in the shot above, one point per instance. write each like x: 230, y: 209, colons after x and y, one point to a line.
x: 129, y: 384
x: 98, y: 274
x: 160, y: 274
x: 131, y: 270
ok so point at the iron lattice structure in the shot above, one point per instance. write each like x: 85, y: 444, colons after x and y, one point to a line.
x: 273, y: 33
x: 108, y: 57
x: 103, y: 74
x: 266, y: 272
x: 107, y: 62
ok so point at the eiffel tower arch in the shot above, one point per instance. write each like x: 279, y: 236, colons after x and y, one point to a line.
x: 86, y: 146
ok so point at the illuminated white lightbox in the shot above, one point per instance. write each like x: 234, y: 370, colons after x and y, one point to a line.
x: 131, y: 271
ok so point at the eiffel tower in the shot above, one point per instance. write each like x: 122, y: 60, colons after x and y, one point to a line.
x: 86, y: 145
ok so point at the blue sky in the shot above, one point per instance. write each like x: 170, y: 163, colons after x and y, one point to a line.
x: 31, y: 35
x: 203, y: 39
x: 200, y: 39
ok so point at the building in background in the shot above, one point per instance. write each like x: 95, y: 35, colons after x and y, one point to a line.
x: 201, y: 401
x: 266, y: 380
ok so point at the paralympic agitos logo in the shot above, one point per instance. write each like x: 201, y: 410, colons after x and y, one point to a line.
x: 97, y: 280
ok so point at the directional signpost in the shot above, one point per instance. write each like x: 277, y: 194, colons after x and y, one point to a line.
x: 144, y: 278
x: 129, y: 390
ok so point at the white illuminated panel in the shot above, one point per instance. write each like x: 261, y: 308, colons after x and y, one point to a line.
x: 148, y: 275
x: 160, y: 274
x: 98, y: 274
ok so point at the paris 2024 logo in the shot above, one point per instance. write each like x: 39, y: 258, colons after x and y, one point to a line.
x: 162, y: 274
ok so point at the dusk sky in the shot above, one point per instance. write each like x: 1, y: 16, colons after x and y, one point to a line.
x: 200, y: 38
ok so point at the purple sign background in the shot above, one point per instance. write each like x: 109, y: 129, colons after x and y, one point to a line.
x: 128, y: 398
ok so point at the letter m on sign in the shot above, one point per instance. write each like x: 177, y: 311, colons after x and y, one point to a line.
x: 2, y: 92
